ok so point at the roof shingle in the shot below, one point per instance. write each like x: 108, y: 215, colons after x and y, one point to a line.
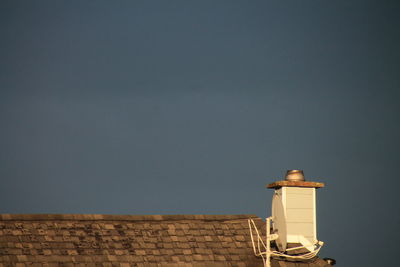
x: 130, y: 240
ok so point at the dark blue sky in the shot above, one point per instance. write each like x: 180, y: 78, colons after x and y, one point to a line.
x: 184, y: 107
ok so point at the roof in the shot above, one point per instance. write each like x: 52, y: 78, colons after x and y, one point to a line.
x: 127, y: 240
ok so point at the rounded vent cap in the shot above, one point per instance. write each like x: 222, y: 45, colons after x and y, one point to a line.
x: 294, y: 175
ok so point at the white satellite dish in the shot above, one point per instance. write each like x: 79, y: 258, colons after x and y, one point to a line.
x: 279, y: 221
x: 306, y: 243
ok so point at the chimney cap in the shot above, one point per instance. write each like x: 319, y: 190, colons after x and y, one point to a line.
x: 294, y: 175
x: 295, y: 178
x: 279, y: 184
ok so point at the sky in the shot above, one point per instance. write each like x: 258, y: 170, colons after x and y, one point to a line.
x: 192, y: 107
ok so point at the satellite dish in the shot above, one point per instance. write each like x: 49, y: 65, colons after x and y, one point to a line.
x: 279, y: 221
x: 306, y: 243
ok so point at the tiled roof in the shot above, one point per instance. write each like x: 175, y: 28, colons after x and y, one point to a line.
x: 125, y: 240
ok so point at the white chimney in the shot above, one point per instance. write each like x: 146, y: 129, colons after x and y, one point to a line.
x: 291, y: 231
x: 294, y: 211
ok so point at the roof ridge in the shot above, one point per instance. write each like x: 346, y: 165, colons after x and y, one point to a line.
x: 109, y: 217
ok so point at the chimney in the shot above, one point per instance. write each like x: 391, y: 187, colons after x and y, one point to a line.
x: 294, y: 212
x: 291, y: 231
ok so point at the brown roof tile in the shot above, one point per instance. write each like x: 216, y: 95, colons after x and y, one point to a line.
x: 129, y: 240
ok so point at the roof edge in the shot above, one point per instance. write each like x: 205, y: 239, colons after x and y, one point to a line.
x: 102, y: 217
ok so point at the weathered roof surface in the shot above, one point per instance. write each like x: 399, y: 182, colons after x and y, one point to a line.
x: 126, y: 240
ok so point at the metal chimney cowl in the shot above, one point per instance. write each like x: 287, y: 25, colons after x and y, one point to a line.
x: 294, y: 175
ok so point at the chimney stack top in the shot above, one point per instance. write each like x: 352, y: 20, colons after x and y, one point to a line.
x: 295, y: 178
